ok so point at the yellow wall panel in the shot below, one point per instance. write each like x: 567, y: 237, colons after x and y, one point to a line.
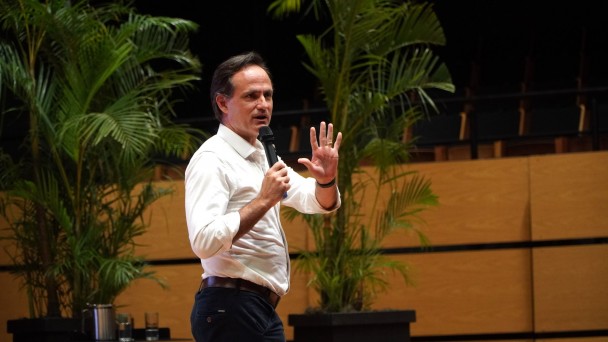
x: 173, y: 304
x: 571, y: 288
x: 465, y: 292
x: 167, y: 235
x: 569, y: 195
x: 574, y: 339
x: 5, y: 244
x: 12, y: 301
x: 479, y: 201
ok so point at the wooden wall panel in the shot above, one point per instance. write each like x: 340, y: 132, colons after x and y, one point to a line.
x: 13, y: 303
x: 173, y: 304
x: 167, y: 235
x: 5, y: 244
x: 569, y: 195
x: 480, y: 201
x: 465, y: 292
x: 514, y: 340
x: 574, y: 339
x: 571, y: 288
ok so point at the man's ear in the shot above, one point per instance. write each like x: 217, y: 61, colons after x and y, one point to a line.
x: 221, y: 101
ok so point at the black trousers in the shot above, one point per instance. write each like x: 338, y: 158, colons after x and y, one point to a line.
x: 229, y: 315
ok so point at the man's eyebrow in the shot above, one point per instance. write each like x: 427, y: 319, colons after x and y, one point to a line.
x: 251, y: 91
x: 257, y: 90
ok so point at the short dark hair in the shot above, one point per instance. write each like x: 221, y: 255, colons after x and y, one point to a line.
x: 222, y: 77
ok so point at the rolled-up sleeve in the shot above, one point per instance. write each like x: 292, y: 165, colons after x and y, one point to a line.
x: 301, y: 195
x: 210, y: 228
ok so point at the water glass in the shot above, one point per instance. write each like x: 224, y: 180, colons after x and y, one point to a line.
x: 151, y: 326
x: 125, y: 328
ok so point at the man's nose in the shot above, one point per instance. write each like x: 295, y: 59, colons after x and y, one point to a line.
x: 262, y: 101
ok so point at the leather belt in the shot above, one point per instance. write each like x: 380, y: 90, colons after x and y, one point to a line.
x: 244, y: 285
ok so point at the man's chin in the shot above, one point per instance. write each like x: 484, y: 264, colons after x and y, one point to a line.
x: 261, y: 123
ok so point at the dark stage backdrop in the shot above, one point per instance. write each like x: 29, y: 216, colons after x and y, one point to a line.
x: 492, y: 37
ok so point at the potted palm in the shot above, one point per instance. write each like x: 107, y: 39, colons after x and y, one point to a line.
x: 375, y: 64
x: 94, y: 86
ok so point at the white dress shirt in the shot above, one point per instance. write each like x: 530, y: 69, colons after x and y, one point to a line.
x: 223, y: 176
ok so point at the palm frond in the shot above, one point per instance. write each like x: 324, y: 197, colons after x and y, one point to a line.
x: 281, y: 8
x: 405, y: 205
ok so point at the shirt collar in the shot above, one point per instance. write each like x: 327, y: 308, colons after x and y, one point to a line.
x: 240, y: 145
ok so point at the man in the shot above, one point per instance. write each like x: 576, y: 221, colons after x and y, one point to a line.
x: 232, y: 207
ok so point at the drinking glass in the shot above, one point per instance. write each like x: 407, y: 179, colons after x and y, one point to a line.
x: 125, y: 329
x: 151, y: 326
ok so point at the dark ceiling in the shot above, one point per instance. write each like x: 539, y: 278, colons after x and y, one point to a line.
x: 495, y: 36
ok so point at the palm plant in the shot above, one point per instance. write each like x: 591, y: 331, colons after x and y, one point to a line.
x: 375, y: 64
x: 95, y: 86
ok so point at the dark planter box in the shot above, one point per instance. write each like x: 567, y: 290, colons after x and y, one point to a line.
x: 385, y: 326
x: 47, y: 329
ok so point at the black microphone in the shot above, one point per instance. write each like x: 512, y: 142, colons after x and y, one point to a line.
x: 267, y: 139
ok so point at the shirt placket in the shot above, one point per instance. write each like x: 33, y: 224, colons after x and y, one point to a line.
x: 262, y: 164
x: 257, y: 159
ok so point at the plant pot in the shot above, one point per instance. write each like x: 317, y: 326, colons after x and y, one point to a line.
x: 46, y: 329
x: 385, y: 326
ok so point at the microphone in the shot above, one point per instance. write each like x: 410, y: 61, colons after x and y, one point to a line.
x: 267, y: 139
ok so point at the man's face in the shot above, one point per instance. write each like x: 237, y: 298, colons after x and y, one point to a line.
x: 250, y: 106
